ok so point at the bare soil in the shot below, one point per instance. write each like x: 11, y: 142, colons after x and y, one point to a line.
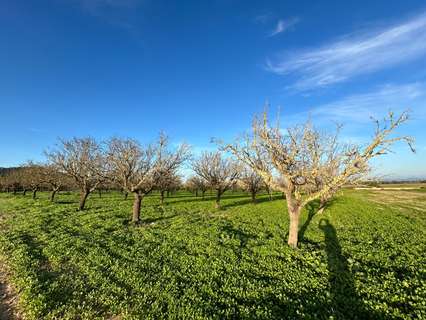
x: 8, y: 297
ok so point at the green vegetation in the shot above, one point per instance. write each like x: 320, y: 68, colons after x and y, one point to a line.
x: 361, y: 258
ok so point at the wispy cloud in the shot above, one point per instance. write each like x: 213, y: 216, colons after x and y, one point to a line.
x: 283, y: 25
x: 358, y: 108
x: 263, y: 18
x: 118, y: 13
x: 354, y: 55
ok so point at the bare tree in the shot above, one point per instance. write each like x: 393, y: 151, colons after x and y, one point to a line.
x: 55, y: 179
x: 219, y: 172
x: 197, y: 183
x: 132, y: 167
x: 136, y: 169
x: 32, y: 177
x: 165, y: 182
x: 83, y: 160
x: 168, y: 163
x: 12, y: 180
x: 300, y: 160
x: 251, y: 182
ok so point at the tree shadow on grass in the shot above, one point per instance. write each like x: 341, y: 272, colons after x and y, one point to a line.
x: 46, y: 277
x: 248, y: 200
x: 312, y: 209
x: 207, y: 198
x: 345, y: 301
x: 244, y: 237
x: 65, y: 201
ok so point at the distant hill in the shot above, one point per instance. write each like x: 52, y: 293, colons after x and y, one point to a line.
x: 4, y: 171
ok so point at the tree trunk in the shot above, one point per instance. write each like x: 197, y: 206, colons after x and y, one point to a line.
x: 168, y: 194
x: 52, y: 195
x: 217, y: 203
x: 100, y: 193
x: 126, y: 194
x: 137, y: 208
x: 162, y: 197
x: 294, y: 215
x: 196, y: 192
x: 34, y: 193
x: 202, y: 194
x: 83, y: 198
x: 253, y: 196
x: 25, y: 192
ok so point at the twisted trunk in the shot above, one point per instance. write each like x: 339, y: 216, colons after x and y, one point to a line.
x: 52, y: 195
x: 83, y: 197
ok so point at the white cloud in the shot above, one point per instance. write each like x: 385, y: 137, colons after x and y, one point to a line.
x: 283, y: 25
x: 358, y: 108
x: 354, y: 55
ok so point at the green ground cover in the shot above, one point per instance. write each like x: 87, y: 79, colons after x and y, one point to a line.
x: 362, y: 258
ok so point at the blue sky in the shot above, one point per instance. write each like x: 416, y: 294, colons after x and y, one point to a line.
x: 201, y: 69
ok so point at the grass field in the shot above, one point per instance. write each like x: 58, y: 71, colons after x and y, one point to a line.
x: 364, y: 257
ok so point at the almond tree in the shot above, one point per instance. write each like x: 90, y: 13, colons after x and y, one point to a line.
x: 166, y: 182
x: 55, y: 179
x: 198, y: 184
x: 83, y: 160
x: 168, y: 163
x: 220, y: 173
x: 32, y: 177
x: 135, y: 168
x: 251, y: 182
x: 301, y: 164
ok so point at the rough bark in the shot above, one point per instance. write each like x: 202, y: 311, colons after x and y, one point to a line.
x: 83, y: 198
x: 294, y: 210
x: 137, y: 207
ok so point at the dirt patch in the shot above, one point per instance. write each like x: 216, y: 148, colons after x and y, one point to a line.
x: 8, y: 297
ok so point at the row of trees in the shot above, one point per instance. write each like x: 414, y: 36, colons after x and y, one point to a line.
x: 302, y: 162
